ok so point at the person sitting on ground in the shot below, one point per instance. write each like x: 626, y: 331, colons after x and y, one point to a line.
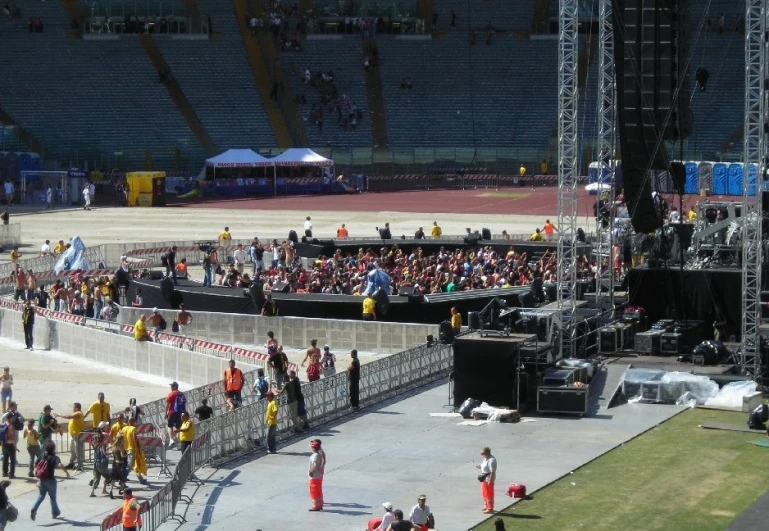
x: 181, y: 268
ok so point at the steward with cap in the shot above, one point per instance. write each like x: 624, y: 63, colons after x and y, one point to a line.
x: 132, y: 518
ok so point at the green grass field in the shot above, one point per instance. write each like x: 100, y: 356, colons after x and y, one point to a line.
x: 676, y: 477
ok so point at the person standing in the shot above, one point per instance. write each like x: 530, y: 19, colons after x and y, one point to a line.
x: 369, y: 308
x: 132, y: 519
x: 270, y: 308
x: 6, y: 388
x: 289, y: 389
x: 308, y: 227
x: 239, y: 257
x: 47, y: 424
x: 317, y: 469
x: 312, y: 352
x: 233, y: 386
x: 8, y: 437
x: 33, y: 446
x: 456, y: 320
x: 420, y: 514
x: 4, y: 504
x: 183, y: 318
x: 100, y: 411
x: 49, y: 197
x: 488, y: 476
x: 176, y: 404
x: 100, y: 461
x: 262, y: 385
x: 74, y: 427
x: 204, y: 411
x: 353, y: 376
x: 342, y: 232
x: 271, y: 419
x: 87, y: 197
x: 28, y: 320
x: 186, y: 433
x: 328, y: 362
x: 134, y: 452
x: 46, y: 483
x: 171, y: 263
x: 399, y: 524
x: 436, y: 231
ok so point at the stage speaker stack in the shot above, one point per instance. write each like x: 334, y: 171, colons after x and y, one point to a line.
x: 608, y: 340
x: 651, y: 38
x: 280, y: 287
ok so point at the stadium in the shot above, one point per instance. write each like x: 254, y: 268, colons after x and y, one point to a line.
x: 378, y: 249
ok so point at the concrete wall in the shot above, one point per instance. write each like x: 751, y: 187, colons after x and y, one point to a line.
x: 296, y: 332
x: 12, y: 328
x: 119, y: 351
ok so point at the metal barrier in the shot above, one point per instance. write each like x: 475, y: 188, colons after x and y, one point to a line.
x: 327, y: 398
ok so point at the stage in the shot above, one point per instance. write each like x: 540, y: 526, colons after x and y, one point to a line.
x: 434, y: 308
x: 703, y: 295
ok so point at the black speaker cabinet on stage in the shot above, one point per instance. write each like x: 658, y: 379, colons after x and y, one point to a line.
x: 280, y: 287
x: 487, y: 369
x: 651, y: 39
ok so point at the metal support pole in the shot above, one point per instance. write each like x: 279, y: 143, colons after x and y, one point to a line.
x: 755, y: 152
x: 606, y: 142
x: 567, y: 168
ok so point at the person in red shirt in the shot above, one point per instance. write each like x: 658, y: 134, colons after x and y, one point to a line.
x: 175, y: 406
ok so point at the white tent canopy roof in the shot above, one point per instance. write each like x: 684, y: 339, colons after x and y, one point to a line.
x: 238, y: 158
x: 300, y: 157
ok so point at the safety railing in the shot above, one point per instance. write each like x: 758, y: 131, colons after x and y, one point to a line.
x: 328, y: 398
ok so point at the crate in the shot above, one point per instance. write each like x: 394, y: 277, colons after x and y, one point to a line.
x: 648, y: 342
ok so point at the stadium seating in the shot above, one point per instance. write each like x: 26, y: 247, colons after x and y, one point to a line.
x: 503, y: 15
x: 345, y: 58
x: 78, y: 96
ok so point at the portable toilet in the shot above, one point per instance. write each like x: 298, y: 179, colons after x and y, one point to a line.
x: 146, y: 188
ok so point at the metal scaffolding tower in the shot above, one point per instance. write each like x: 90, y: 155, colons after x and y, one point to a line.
x: 755, y: 153
x: 606, y: 140
x: 567, y: 168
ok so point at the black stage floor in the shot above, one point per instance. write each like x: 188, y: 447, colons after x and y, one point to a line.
x: 434, y: 309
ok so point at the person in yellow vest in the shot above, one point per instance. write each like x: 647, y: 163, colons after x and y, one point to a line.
x: 537, y: 236
x: 186, y: 433
x: 342, y: 232
x: 225, y: 236
x: 100, y: 411
x: 522, y: 170
x: 369, y: 309
x: 436, y: 231
x: 74, y: 427
x: 543, y: 167
x: 271, y: 419
x: 132, y: 518
x: 691, y: 216
x: 60, y: 248
x: 134, y: 451
x: 140, y: 329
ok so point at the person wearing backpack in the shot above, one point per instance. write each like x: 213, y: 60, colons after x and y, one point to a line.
x: 100, y: 460
x: 46, y: 480
x: 261, y: 386
x: 176, y: 404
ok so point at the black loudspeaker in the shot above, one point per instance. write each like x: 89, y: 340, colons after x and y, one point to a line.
x: 157, y: 275
x: 293, y: 237
x: 474, y: 320
x: 472, y: 239
x: 280, y: 287
x: 678, y: 175
x: 167, y: 288
x: 652, y: 95
x: 485, y: 234
x: 406, y: 291
x: 445, y: 332
x: 382, y: 302
x: 256, y: 292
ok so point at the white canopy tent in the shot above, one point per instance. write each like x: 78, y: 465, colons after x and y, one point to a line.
x: 298, y: 157
x: 238, y: 158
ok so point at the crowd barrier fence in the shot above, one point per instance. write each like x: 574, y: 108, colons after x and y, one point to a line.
x: 297, y: 332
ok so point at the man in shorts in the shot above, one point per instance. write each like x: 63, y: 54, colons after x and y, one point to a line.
x: 173, y: 416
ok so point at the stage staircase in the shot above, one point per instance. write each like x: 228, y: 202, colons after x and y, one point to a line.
x: 376, y: 106
x: 193, y: 11
x: 72, y: 7
x: 183, y: 105
x: 262, y: 77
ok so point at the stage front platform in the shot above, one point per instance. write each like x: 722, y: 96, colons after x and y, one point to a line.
x: 434, y: 309
x: 700, y: 295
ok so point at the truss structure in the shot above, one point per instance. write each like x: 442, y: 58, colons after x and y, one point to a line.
x: 568, y: 170
x: 606, y: 140
x: 754, y: 161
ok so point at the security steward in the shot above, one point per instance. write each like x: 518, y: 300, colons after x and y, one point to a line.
x: 369, y: 309
x: 132, y: 520
x: 28, y: 320
x: 233, y: 385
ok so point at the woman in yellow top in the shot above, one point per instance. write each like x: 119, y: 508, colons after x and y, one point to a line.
x: 33, y: 445
x: 140, y: 329
x: 186, y: 432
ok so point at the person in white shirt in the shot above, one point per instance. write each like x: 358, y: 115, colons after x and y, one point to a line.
x: 675, y: 216
x: 420, y: 513
x: 45, y: 249
x: 48, y: 197
x: 239, y: 256
x: 488, y: 468
x: 388, y: 517
x: 92, y: 189
x: 308, y: 227
x: 87, y: 197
